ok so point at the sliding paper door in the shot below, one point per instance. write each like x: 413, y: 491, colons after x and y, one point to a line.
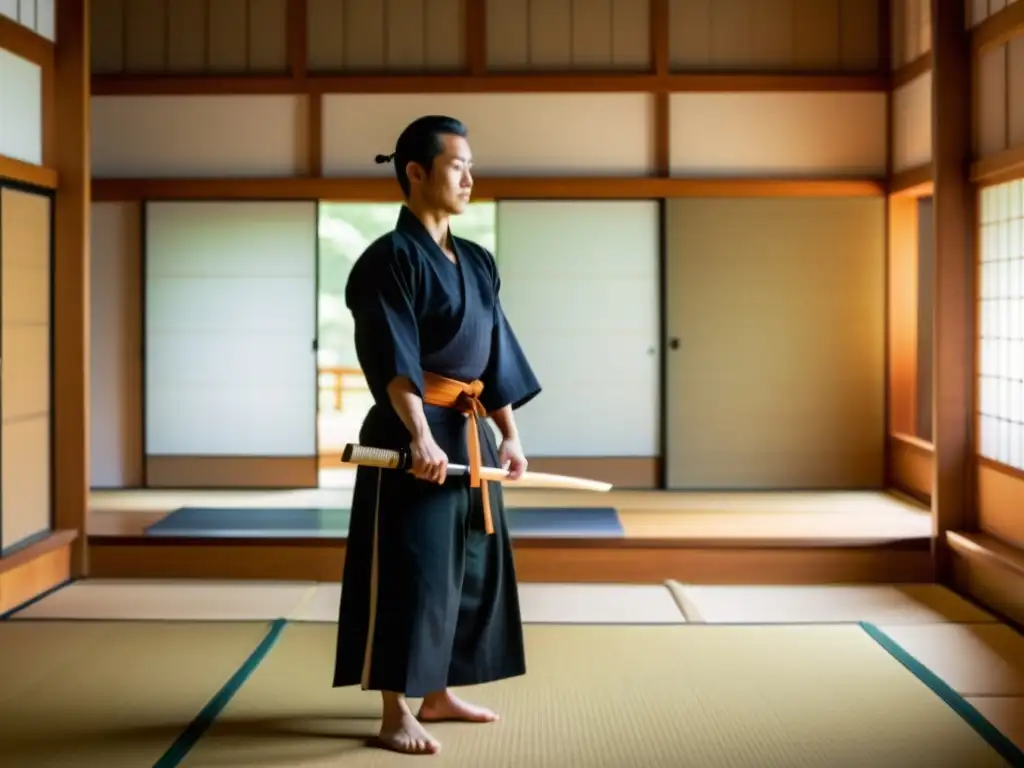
x: 25, y: 250
x: 581, y: 288
x: 230, y: 330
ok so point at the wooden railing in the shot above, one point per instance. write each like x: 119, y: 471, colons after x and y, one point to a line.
x: 337, y: 380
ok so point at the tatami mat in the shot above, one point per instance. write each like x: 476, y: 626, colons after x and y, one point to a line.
x: 170, y: 601
x: 621, y: 697
x: 247, y: 601
x: 321, y: 605
x: 114, y: 694
x: 1004, y: 712
x: 880, y: 604
x: 974, y: 659
x: 598, y: 604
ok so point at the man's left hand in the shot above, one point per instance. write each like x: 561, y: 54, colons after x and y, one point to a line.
x: 512, y: 458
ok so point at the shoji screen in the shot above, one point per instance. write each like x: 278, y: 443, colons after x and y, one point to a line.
x: 580, y: 285
x: 230, y: 329
x: 25, y: 398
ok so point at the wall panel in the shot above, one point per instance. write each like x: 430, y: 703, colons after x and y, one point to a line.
x: 911, y: 28
x: 511, y: 134
x: 774, y: 35
x: 602, y: 254
x: 999, y: 98
x: 37, y: 15
x: 189, y: 36
x: 385, y: 35
x: 115, y: 346
x: 197, y: 136
x: 912, y: 124
x: 21, y: 109
x: 979, y: 10
x: 787, y: 134
x: 778, y: 377
x: 230, y: 329
x: 564, y: 35
x: 25, y: 389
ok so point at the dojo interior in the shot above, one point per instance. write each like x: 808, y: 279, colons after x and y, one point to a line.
x: 766, y: 257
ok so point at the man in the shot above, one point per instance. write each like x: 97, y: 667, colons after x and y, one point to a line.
x: 429, y: 598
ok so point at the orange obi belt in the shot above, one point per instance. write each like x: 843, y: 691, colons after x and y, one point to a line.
x: 463, y: 396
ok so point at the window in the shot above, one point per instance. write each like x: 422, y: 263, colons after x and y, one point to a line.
x: 1001, y: 325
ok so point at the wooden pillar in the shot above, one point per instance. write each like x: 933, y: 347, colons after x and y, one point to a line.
x: 953, y: 498
x: 71, y: 275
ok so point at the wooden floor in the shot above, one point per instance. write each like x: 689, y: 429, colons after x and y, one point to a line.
x: 700, y: 538
x: 777, y: 518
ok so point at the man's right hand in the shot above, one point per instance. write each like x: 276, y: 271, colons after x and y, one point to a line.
x: 429, y: 462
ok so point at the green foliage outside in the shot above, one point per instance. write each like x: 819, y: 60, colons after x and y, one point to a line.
x: 345, y: 231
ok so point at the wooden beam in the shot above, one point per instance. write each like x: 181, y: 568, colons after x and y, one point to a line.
x: 913, y: 182
x: 475, y: 33
x: 659, y: 44
x: 1002, y: 26
x: 71, y: 276
x: 908, y: 73
x: 999, y: 167
x: 23, y: 42
x: 953, y: 502
x: 27, y: 173
x: 554, y: 82
x: 385, y: 189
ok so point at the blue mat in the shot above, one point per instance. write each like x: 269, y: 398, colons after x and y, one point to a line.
x: 328, y: 523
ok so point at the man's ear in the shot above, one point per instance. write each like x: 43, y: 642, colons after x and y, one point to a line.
x: 415, y: 172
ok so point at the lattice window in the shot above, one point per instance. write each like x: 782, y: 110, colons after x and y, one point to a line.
x: 1001, y: 324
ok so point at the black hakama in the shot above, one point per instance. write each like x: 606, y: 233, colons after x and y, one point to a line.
x: 429, y: 600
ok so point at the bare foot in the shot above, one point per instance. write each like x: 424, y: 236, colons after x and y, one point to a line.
x: 448, y: 706
x: 403, y: 733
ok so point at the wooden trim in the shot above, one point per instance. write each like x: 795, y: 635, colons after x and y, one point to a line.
x: 246, y: 472
x: 911, y: 466
x: 619, y: 561
x: 27, y: 173
x: 23, y: 42
x: 71, y: 276
x: 908, y: 73
x: 385, y: 190
x: 990, y: 573
x: 36, y: 569
x: 999, y: 167
x: 658, y: 13
x: 913, y: 182
x: 953, y: 496
x: 1000, y: 500
x: 298, y: 38
x: 475, y: 36
x: 1002, y: 26
x: 611, y: 82
x: 314, y: 135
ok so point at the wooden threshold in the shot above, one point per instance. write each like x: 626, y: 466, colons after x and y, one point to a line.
x: 456, y: 82
x: 384, y: 189
x: 647, y: 561
x: 36, y: 569
x: 990, y: 571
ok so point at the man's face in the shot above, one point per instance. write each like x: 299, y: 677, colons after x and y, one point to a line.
x: 450, y: 182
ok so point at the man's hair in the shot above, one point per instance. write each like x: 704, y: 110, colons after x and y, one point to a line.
x: 420, y: 142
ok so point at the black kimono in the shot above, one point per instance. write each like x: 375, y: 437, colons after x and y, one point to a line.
x: 429, y: 600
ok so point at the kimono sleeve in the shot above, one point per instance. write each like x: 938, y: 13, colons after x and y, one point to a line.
x: 382, y: 301
x: 508, y: 378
